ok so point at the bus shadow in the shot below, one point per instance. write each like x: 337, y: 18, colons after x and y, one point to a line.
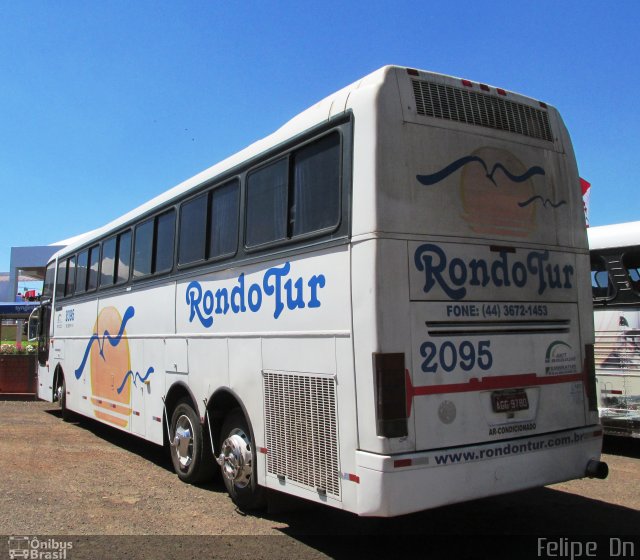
x: 540, y: 511
x: 508, y: 526
x: 156, y: 454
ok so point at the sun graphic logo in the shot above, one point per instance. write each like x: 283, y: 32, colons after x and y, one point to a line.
x: 495, y: 187
x: 110, y: 367
x: 499, y: 194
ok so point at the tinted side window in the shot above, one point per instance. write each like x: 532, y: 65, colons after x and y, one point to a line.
x: 143, y: 249
x: 296, y: 195
x: 47, y: 289
x: 124, y: 257
x: 225, y: 202
x: 81, y: 273
x: 61, y: 279
x: 154, y: 242
x: 316, y: 186
x: 165, y: 235
x: 267, y: 204
x: 71, y: 276
x: 94, y: 260
x: 193, y: 230
x: 108, y: 262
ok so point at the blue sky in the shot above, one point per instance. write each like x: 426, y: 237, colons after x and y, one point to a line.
x: 104, y: 104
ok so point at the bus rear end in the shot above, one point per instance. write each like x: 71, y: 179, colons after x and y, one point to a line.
x: 472, y: 311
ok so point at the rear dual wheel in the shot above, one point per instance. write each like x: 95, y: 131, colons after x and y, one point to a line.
x: 237, y: 462
x: 193, y: 460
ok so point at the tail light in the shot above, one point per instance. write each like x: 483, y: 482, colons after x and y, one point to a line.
x: 590, y: 377
x: 391, y: 398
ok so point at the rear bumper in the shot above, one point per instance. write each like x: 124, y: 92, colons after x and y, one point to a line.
x: 401, y: 484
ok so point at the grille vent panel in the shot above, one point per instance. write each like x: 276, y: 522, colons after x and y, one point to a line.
x: 301, y: 430
x: 470, y: 107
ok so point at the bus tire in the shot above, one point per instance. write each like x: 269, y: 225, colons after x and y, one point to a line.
x: 190, y: 453
x: 237, y: 462
x: 61, y: 397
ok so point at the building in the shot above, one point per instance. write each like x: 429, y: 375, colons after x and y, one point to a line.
x: 26, y: 264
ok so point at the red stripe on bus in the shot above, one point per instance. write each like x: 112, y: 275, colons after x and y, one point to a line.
x: 486, y: 384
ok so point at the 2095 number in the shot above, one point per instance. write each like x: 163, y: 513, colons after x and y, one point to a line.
x: 449, y: 356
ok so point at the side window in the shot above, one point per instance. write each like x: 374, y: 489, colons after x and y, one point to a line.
x: 296, y: 195
x: 81, y: 272
x: 143, y: 248
x: 165, y: 236
x: 61, y: 279
x: 601, y: 284
x: 47, y: 289
x: 225, y: 205
x: 316, y: 186
x: 216, y: 210
x: 154, y: 242
x: 94, y: 260
x: 116, y: 259
x: 267, y: 204
x: 193, y: 230
x: 123, y: 263
x: 631, y: 262
x: 108, y: 262
x: 71, y: 276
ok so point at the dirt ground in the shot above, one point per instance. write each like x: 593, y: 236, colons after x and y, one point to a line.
x: 81, y: 478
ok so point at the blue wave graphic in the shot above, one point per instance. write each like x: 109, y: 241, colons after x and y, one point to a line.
x: 106, y: 337
x: 434, y: 178
x: 545, y: 202
x: 135, y: 376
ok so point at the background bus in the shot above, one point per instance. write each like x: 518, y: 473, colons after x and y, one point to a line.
x: 384, y: 306
x: 615, y: 279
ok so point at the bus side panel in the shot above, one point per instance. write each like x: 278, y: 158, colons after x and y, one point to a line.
x: 281, y: 322
x: 117, y: 361
x: 73, y: 325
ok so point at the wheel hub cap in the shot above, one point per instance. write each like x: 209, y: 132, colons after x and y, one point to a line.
x: 183, y: 441
x: 235, y: 458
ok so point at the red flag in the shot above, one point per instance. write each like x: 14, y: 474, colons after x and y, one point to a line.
x: 585, y: 186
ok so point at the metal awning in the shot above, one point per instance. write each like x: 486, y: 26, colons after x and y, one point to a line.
x: 17, y: 310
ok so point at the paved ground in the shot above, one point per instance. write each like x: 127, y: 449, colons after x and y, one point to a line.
x: 82, y: 478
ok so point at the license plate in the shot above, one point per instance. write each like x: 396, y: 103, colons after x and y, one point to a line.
x: 509, y: 401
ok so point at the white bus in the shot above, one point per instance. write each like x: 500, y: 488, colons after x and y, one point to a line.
x: 615, y: 281
x: 384, y: 306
